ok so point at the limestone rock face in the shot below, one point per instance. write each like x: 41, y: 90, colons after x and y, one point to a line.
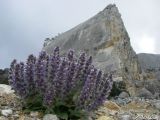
x: 105, y: 38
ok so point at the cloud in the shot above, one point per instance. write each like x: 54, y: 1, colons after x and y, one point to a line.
x: 147, y: 44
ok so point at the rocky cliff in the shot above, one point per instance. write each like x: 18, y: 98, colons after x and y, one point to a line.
x: 105, y: 38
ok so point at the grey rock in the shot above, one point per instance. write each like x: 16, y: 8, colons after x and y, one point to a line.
x: 120, y: 101
x: 5, y: 89
x: 6, y: 112
x: 153, y: 86
x: 156, y: 104
x: 157, y: 95
x: 30, y: 118
x: 126, y: 117
x: 124, y: 95
x: 50, y: 117
x: 34, y: 114
x: 105, y: 38
x: 144, y: 93
x: 139, y: 83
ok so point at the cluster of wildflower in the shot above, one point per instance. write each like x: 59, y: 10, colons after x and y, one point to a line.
x: 56, y: 78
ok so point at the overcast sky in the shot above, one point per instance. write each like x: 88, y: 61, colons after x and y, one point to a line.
x: 24, y: 24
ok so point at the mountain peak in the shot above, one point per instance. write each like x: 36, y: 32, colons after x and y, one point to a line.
x: 105, y: 38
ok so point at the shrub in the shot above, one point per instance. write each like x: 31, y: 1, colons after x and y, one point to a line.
x: 67, y: 86
x: 4, y: 76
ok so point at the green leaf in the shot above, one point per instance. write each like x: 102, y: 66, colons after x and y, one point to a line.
x: 78, y: 114
x: 63, y: 116
x: 34, y: 103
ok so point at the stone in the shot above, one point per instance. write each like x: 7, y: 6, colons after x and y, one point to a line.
x: 156, y: 104
x: 10, y: 101
x: 105, y: 38
x: 139, y: 83
x: 6, y: 112
x: 157, y: 95
x: 124, y: 95
x: 121, y: 101
x: 125, y: 117
x: 29, y: 118
x: 50, y: 117
x: 34, y: 114
x: 5, y: 89
x: 153, y: 86
x: 105, y: 118
x: 111, y: 106
x: 144, y: 93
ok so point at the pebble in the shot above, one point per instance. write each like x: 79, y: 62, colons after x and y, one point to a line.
x: 5, y: 89
x: 6, y: 112
x: 50, y: 117
x: 126, y: 117
x: 34, y: 114
x: 124, y: 95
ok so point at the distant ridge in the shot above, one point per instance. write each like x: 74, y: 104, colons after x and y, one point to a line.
x: 149, y: 61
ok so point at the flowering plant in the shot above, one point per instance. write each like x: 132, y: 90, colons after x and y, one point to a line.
x: 67, y: 86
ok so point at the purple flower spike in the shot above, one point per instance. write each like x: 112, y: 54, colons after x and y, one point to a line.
x: 56, y: 52
x: 60, y: 79
x: 87, y: 68
x: 71, y: 55
x: 29, y: 73
x: 80, y: 67
x: 87, y: 91
x: 12, y: 72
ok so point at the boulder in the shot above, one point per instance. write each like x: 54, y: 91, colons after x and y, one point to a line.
x: 125, y: 117
x: 50, y: 117
x: 6, y: 112
x: 153, y: 86
x: 144, y: 93
x: 105, y: 38
x: 124, y: 95
x: 5, y: 89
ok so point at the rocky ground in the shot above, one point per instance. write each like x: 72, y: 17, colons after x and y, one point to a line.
x: 120, y: 108
x: 130, y: 109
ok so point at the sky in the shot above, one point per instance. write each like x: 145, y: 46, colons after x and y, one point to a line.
x: 24, y: 24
